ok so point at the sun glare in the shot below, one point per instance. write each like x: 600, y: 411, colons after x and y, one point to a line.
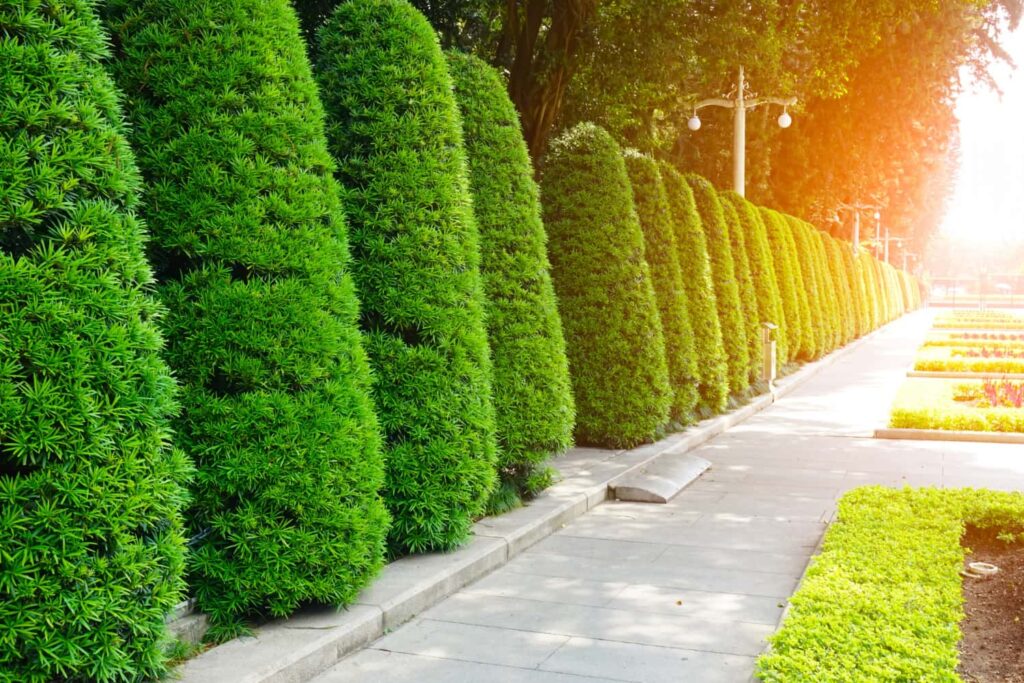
x: 988, y: 201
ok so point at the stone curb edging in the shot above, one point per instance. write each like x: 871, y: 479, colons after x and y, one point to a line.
x: 296, y: 649
x: 948, y: 435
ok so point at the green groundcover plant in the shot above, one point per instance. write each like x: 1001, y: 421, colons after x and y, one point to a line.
x: 662, y: 255
x: 954, y: 359
x: 250, y: 251
x: 395, y: 131
x: 748, y: 295
x: 92, y: 550
x: 762, y: 271
x: 883, y: 602
x: 723, y: 273
x: 532, y: 392
x: 615, y: 343
x: 925, y: 403
x: 712, y: 368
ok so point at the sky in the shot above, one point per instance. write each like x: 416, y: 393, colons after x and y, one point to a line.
x: 988, y: 200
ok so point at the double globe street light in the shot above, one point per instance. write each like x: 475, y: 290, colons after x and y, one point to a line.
x: 740, y: 104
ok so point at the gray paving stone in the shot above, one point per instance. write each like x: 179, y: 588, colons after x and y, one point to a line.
x: 648, y: 664
x: 754, y: 609
x: 629, y: 626
x: 376, y: 666
x: 571, y: 590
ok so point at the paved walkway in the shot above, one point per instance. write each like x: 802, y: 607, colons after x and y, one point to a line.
x: 687, y: 591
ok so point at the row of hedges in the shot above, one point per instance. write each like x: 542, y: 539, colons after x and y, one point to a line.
x: 350, y: 262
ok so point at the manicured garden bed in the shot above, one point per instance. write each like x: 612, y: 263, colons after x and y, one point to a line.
x: 883, y: 601
x: 984, y: 359
x: 956, y: 405
x: 980, y: 320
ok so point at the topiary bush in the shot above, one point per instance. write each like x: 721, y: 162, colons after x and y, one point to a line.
x: 394, y: 128
x: 615, y: 342
x: 91, y: 492
x: 762, y: 271
x: 814, y: 331
x: 250, y: 251
x: 841, y: 286
x: 662, y: 254
x: 860, y: 322
x: 826, y: 285
x: 712, y: 369
x: 723, y: 272
x: 748, y: 296
x: 532, y: 392
x: 790, y: 277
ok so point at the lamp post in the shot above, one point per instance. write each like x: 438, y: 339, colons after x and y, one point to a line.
x: 740, y: 104
x: 857, y: 208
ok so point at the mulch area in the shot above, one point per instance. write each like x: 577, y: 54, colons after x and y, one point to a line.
x: 992, y: 649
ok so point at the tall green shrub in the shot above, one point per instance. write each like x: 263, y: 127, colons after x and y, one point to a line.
x: 615, y: 342
x: 748, y: 296
x: 869, y: 284
x: 841, y: 285
x: 532, y: 393
x: 860, y: 323
x: 762, y: 271
x: 787, y: 273
x: 662, y: 254
x: 814, y: 333
x: 829, y: 294
x: 723, y: 272
x: 250, y: 251
x: 394, y: 127
x: 91, y: 556
x: 712, y: 368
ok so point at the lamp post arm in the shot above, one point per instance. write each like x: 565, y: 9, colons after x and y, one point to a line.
x: 780, y: 101
x: 715, y: 102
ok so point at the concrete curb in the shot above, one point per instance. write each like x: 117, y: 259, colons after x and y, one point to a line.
x: 300, y: 647
x: 948, y: 435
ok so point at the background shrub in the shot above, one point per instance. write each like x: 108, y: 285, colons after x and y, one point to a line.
x: 90, y: 492
x: 723, y: 273
x: 748, y: 296
x: 826, y: 285
x: 532, y: 393
x: 869, y: 293
x: 250, y: 251
x: 615, y: 343
x: 791, y: 283
x: 695, y: 265
x: 853, y: 283
x: 814, y: 332
x: 662, y: 255
x: 762, y: 271
x: 395, y: 130
x: 841, y: 287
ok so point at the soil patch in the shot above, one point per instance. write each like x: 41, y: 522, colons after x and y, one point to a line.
x: 992, y: 649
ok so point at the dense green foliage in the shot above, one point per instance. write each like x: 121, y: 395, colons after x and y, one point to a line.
x: 532, y: 393
x: 853, y: 286
x: 787, y: 274
x: 393, y: 126
x: 815, y: 344
x: 723, y: 274
x: 615, y: 342
x: 701, y: 305
x: 762, y: 271
x: 250, y: 253
x: 91, y: 557
x: 748, y: 295
x: 882, y: 602
x: 662, y: 254
x: 847, y: 317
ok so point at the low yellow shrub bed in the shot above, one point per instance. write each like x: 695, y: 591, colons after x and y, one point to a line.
x: 932, y: 404
x: 970, y: 359
x: 980, y: 320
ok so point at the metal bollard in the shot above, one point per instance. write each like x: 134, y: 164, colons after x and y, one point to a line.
x: 768, y: 359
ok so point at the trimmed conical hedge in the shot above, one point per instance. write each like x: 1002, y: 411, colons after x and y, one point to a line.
x: 723, y: 272
x: 841, y: 283
x: 814, y: 333
x: 860, y: 324
x: 712, y: 368
x: 826, y: 288
x: 91, y: 557
x: 250, y: 251
x: 615, y: 343
x: 394, y: 128
x: 532, y: 392
x: 762, y: 271
x: 748, y: 295
x: 790, y: 279
x: 662, y: 255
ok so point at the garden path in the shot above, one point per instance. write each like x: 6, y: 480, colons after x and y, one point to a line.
x: 688, y: 591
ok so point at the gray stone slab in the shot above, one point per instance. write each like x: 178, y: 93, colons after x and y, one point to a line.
x: 570, y: 590
x: 648, y: 664
x: 628, y: 626
x: 599, y: 548
x: 377, y: 666
x: 662, y: 480
x: 753, y: 609
x: 408, y: 586
x: 472, y: 643
x: 287, y: 651
x: 521, y: 528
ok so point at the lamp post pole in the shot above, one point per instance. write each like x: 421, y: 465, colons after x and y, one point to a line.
x: 856, y: 209
x: 740, y: 104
